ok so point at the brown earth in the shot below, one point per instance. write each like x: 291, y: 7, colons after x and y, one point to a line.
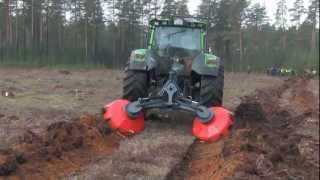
x: 62, y: 149
x: 269, y: 139
x: 275, y: 135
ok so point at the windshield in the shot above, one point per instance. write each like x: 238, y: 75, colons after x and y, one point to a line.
x: 177, y: 41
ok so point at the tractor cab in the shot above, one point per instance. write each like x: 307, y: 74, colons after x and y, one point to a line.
x: 177, y: 37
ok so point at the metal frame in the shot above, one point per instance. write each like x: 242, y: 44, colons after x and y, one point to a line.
x: 170, y: 96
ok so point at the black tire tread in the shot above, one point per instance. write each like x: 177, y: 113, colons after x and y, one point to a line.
x: 211, y: 92
x: 135, y: 85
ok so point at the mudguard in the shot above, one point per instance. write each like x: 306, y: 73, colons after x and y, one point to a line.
x: 142, y: 60
x: 206, y: 64
x: 203, y: 64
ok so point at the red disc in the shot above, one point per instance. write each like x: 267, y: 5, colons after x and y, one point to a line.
x: 118, y: 119
x: 217, y: 127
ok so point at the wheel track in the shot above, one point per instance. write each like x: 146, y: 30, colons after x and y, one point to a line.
x: 162, y: 151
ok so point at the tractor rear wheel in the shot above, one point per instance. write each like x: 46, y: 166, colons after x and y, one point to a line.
x: 135, y: 85
x: 211, y: 91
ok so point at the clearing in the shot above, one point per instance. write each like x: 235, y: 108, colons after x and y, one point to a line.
x: 50, y: 128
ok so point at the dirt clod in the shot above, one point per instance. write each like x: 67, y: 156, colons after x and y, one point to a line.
x: 61, y: 149
x: 9, y: 162
x: 64, y: 72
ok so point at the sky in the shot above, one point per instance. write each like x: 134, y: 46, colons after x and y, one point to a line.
x: 271, y: 6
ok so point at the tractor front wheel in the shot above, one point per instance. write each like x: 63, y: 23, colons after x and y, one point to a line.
x: 135, y: 85
x: 211, y: 92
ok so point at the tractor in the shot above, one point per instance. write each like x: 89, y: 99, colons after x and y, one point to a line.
x: 174, y: 71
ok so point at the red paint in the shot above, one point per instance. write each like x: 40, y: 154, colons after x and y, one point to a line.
x: 216, y: 128
x: 117, y: 118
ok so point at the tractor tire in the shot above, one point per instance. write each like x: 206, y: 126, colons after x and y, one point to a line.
x: 211, y: 92
x: 135, y: 85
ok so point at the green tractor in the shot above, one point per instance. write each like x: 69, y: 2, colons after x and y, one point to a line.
x: 174, y: 72
x: 177, y: 44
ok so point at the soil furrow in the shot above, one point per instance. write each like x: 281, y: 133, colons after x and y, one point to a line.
x: 264, y: 143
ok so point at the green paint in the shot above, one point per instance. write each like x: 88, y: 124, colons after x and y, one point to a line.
x: 137, y: 60
x: 141, y: 52
x: 202, y: 40
x: 151, y: 37
x: 211, y: 57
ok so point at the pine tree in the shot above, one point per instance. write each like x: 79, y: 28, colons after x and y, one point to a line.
x: 98, y: 24
x: 207, y: 8
x: 281, y: 14
x: 297, y: 12
x: 313, y: 12
x: 257, y: 16
x: 57, y: 17
x: 313, y: 19
x: 7, y: 21
x: 2, y: 43
x: 169, y: 8
x: 182, y: 8
x: 98, y: 13
x: 281, y: 21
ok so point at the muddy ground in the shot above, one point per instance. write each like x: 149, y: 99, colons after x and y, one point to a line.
x: 50, y: 128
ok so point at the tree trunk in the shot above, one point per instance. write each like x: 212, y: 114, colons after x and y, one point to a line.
x: 17, y: 31
x: 241, y: 49
x: 313, y: 40
x: 114, y: 49
x: 47, y: 33
x: 7, y: 26
x: 284, y: 39
x: 86, y: 38
x: 32, y: 20
x: 95, y: 43
x: 32, y: 28
x: 41, y: 31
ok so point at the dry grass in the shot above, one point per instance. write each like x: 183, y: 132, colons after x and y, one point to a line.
x: 43, y: 96
x: 149, y: 155
x: 238, y: 85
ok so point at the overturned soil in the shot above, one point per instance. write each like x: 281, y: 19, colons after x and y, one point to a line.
x: 276, y: 136
x: 61, y: 150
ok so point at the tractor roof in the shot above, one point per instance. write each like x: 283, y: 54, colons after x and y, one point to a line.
x: 189, y: 22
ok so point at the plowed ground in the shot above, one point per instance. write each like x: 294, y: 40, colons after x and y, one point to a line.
x: 275, y: 135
